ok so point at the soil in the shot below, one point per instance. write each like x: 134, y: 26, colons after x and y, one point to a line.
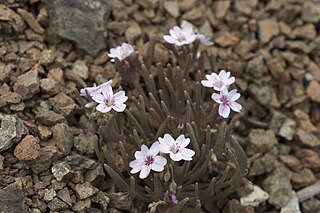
x: 49, y: 50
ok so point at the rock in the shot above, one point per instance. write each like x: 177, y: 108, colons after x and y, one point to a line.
x: 61, y: 171
x: 310, y: 12
x: 261, y: 94
x: 27, y: 149
x: 261, y: 141
x: 304, y: 121
x: 246, y: 7
x: 57, y: 75
x: 287, y: 129
x: 264, y: 164
x: 48, y: 117
x: 79, y: 162
x: 278, y: 186
x: 120, y: 200
x: 96, y: 176
x: 307, y: 31
x: 64, y: 195
x: 221, y: 8
x: 46, y: 57
x: 234, y: 206
x: 31, y: 21
x: 11, y: 131
x: 12, y: 199
x: 68, y: 19
x: 172, y: 7
x: 49, y: 194
x: 63, y: 104
x: 276, y: 67
x: 56, y: 205
x: 27, y: 84
x: 268, y: 28
x: 310, y: 205
x: 245, y: 46
x: 309, y: 158
x: 225, y: 39
x: 292, y: 206
x: 85, y: 143
x: 291, y: 161
x: 312, y: 68
x: 307, y: 139
x: 62, y: 137
x: 133, y: 32
x: 256, y: 67
x: 302, y: 178
x: 14, y: 20
x: 313, y: 91
x: 12, y: 98
x: 85, y: 190
x: 102, y: 199
x: 5, y: 72
x: 254, y: 198
x: 44, y: 132
x: 117, y: 27
x: 82, y: 205
x: 80, y: 68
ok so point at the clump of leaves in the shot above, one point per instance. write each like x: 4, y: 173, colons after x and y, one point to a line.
x: 170, y: 99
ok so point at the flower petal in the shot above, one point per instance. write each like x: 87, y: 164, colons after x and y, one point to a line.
x: 235, y: 106
x: 159, y: 163
x: 224, y: 110
x: 187, y: 154
x: 216, y: 97
x: 154, y: 149
x: 206, y: 83
x: 169, y: 39
x: 98, y: 97
x: 107, y: 91
x: 182, y: 141
x: 233, y: 95
x: 103, y: 108
x: 145, y: 171
x: 136, y: 165
x: 119, y: 107
x: 144, y: 150
x: 176, y: 157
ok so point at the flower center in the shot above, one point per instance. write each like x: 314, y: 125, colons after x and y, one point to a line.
x: 219, y: 84
x: 224, y: 99
x: 149, y: 160
x: 109, y: 102
x: 175, y: 148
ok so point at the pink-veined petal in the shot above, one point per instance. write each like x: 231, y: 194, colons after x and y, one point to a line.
x: 235, y: 106
x: 230, y: 81
x: 223, y: 74
x: 187, y: 154
x: 154, y: 149
x: 107, y: 91
x: 98, y: 97
x: 103, y: 108
x: 119, y: 107
x: 145, y: 171
x: 216, y: 97
x: 206, y: 83
x: 164, y: 148
x: 176, y: 157
x: 136, y: 165
x: 139, y: 155
x: 144, y: 150
x: 182, y: 141
x: 159, y: 163
x: 167, y: 139
x: 224, y: 110
x: 169, y: 39
x: 233, y: 95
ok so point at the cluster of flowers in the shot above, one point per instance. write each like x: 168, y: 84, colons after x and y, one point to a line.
x: 185, y: 35
x: 149, y: 159
x: 225, y: 99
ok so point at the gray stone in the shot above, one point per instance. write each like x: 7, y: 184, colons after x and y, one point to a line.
x: 85, y: 190
x: 79, y: 162
x: 307, y: 138
x: 12, y: 199
x: 102, y: 199
x: 63, y: 104
x: 64, y: 195
x: 11, y: 131
x: 81, y: 205
x: 5, y: 72
x: 62, y: 137
x: 49, y: 86
x: 261, y: 141
x: 288, y: 129
x: 61, y: 171
x: 27, y: 84
x: 278, y: 186
x: 56, y: 204
x: 80, y: 68
x: 172, y: 7
x: 292, y: 206
x: 48, y: 117
x: 256, y: 67
x: 310, y: 12
x: 260, y: 93
x: 82, y: 21
x: 85, y: 143
x: 49, y: 194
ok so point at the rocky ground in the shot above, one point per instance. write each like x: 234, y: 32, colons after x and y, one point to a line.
x: 50, y: 49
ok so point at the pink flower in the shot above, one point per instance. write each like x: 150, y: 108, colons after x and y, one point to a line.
x: 205, y: 41
x: 121, y: 52
x: 218, y: 82
x: 180, y: 36
x: 89, y: 90
x: 147, y: 160
x: 227, y: 100
x: 173, y: 197
x: 176, y: 148
x: 107, y: 100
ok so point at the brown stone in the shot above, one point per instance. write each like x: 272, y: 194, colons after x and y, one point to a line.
x: 307, y: 31
x: 225, y: 39
x: 221, y: 8
x: 314, y: 69
x: 304, y: 177
x: 307, y: 138
x: 304, y: 121
x: 291, y: 161
x: 313, y: 91
x: 27, y: 149
x: 275, y: 66
x: 309, y: 158
x: 31, y: 21
x: 268, y: 28
x: 27, y: 84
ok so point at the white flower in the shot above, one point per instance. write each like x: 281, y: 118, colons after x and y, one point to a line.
x: 147, y: 160
x: 227, y: 100
x: 205, y: 41
x: 89, y: 90
x: 121, y: 52
x: 180, y: 36
x: 107, y: 100
x: 176, y: 148
x: 218, y: 82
